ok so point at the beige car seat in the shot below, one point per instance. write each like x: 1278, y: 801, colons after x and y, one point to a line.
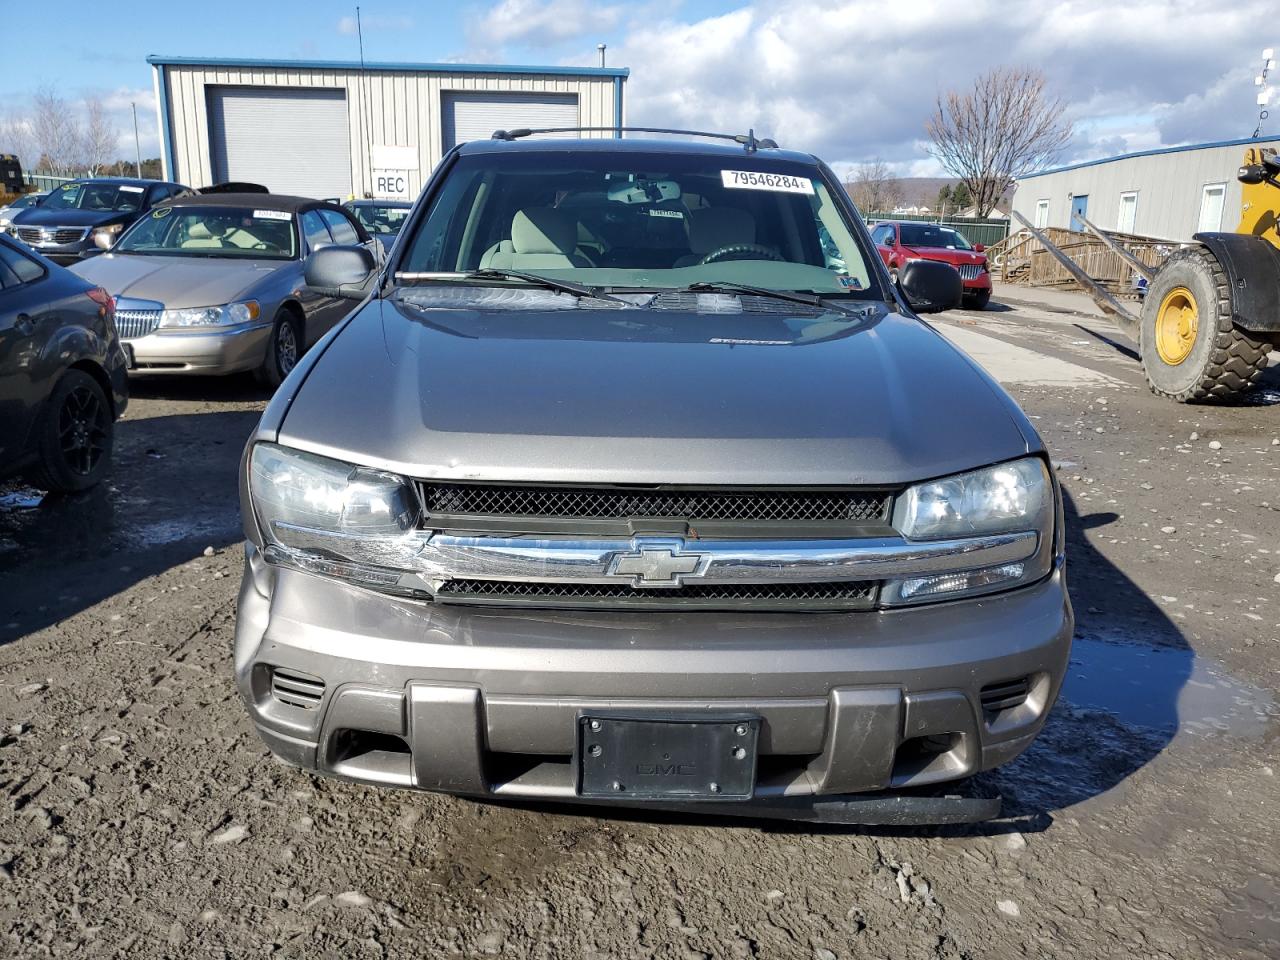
x: 199, y: 237
x: 541, y: 238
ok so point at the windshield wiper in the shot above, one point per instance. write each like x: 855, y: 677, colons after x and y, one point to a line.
x: 547, y: 283
x: 794, y: 296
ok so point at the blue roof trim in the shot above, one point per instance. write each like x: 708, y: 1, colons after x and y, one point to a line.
x: 157, y: 60
x: 1150, y: 153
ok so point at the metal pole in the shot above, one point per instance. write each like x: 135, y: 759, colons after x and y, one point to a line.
x: 137, y: 144
x: 1121, y: 252
x: 601, y: 48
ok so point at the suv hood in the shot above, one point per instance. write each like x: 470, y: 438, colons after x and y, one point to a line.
x: 175, y: 281
x: 42, y: 217
x: 649, y: 396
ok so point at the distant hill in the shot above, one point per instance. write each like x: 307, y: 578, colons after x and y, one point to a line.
x: 923, y: 191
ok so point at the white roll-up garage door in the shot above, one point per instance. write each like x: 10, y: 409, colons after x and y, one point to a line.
x: 474, y: 116
x: 289, y: 140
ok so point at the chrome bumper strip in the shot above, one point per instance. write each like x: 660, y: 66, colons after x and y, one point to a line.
x: 658, y: 562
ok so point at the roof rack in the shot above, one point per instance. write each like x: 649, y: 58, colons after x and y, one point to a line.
x: 748, y: 139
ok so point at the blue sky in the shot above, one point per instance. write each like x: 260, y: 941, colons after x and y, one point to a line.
x: 851, y: 80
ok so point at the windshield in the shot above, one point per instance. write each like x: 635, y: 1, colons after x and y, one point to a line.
x: 929, y: 235
x: 30, y: 200
x: 381, y: 218
x: 632, y: 220
x: 88, y: 195
x: 213, y: 232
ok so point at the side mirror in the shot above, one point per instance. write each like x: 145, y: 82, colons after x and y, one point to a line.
x: 979, y: 248
x: 930, y: 286
x: 104, y: 241
x: 340, y: 271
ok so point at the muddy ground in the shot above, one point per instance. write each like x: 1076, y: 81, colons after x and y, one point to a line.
x: 141, y: 817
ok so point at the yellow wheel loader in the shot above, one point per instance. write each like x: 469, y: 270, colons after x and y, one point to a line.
x: 12, y: 185
x: 1212, y: 310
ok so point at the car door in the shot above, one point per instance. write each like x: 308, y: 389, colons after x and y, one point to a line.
x: 342, y: 225
x: 31, y: 307
x: 322, y: 312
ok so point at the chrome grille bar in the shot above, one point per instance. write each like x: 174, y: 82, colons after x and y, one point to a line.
x: 132, y: 324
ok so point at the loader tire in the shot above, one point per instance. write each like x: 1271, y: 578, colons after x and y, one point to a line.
x: 1191, y: 351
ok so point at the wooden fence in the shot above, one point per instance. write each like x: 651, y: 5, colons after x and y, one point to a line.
x: 1022, y: 259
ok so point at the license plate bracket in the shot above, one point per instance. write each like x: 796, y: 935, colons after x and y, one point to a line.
x: 667, y: 758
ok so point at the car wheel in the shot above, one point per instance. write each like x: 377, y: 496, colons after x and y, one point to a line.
x: 75, y: 435
x: 283, y: 350
x: 977, y: 301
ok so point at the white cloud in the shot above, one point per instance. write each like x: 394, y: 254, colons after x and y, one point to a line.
x: 855, y: 80
x: 542, y: 23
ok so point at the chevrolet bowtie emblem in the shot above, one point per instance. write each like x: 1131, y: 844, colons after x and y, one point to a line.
x: 663, y: 564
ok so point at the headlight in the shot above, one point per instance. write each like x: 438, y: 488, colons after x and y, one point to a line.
x: 1009, y: 498
x: 333, y: 518
x: 1005, y: 498
x: 220, y: 316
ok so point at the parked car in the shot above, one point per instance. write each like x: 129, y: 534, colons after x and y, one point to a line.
x: 621, y: 486
x: 10, y: 210
x: 62, y: 373
x: 382, y: 218
x: 212, y: 284
x: 900, y: 242
x: 67, y: 224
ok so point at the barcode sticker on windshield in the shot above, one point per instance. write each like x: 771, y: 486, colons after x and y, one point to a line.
x: 753, y: 180
x: 271, y: 215
x: 128, y: 189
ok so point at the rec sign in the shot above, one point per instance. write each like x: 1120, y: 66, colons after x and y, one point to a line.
x: 392, y: 164
x: 391, y: 184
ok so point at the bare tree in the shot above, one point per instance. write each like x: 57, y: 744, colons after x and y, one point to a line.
x: 874, y: 188
x: 1007, y: 125
x: 16, y: 137
x: 101, y: 140
x: 55, y: 132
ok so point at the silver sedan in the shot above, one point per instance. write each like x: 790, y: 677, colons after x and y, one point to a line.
x: 213, y: 284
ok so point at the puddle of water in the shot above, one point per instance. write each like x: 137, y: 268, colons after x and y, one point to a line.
x: 1165, y: 688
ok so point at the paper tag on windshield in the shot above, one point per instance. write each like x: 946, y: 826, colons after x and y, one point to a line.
x: 128, y: 189
x: 272, y: 215
x: 754, y: 180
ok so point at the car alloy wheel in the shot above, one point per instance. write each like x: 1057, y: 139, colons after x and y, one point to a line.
x: 83, y: 424
x: 286, y: 347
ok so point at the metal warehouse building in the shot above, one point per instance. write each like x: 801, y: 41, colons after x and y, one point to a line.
x: 333, y: 129
x: 1170, y: 194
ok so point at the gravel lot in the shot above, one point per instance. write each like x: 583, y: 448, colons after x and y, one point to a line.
x: 141, y: 817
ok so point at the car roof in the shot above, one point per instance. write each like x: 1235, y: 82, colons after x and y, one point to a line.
x: 259, y: 201
x: 127, y: 181
x: 707, y: 148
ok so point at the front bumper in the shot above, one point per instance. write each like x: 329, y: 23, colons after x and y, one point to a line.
x: 981, y: 282
x: 229, y: 350
x: 484, y: 701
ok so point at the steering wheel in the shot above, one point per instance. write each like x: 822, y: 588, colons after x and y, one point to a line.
x: 741, y: 251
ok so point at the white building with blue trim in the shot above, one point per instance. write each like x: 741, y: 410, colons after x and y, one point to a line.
x: 326, y: 128
x: 1171, y: 193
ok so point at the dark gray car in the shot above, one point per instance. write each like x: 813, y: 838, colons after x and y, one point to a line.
x: 62, y: 373
x: 634, y: 480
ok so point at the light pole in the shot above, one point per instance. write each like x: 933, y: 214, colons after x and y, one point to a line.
x: 601, y: 48
x: 137, y: 144
x: 1264, y: 89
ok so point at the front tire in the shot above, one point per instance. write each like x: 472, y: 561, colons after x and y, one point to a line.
x: 283, y: 350
x: 977, y: 301
x: 75, y: 436
x: 1191, y: 350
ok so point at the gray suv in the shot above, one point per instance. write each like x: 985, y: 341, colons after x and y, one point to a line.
x: 633, y: 479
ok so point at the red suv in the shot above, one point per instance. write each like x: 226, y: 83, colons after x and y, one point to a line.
x: 901, y: 241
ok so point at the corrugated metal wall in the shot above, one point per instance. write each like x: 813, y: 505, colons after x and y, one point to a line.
x: 403, y: 108
x: 1170, y: 187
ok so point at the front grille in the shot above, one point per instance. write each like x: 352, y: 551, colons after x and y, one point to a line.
x: 1006, y: 695
x: 833, y: 595
x: 622, y: 504
x: 970, y: 271
x: 136, y: 323
x: 297, y: 689
x: 58, y: 235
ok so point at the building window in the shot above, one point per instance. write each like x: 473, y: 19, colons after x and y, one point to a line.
x: 1128, y: 211
x: 1042, y: 213
x: 1211, y: 203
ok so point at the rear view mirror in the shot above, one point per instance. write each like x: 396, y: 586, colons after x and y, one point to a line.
x: 929, y: 285
x: 340, y: 271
